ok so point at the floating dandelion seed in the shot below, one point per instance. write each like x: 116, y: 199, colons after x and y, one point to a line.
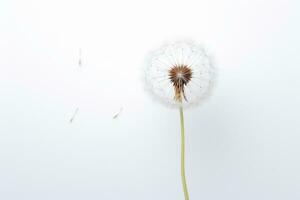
x: 80, y: 58
x: 118, y: 113
x: 74, y: 115
x: 180, y: 74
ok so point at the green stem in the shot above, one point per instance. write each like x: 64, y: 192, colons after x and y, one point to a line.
x: 183, y: 179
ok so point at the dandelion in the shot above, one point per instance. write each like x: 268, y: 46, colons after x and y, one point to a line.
x: 181, y: 75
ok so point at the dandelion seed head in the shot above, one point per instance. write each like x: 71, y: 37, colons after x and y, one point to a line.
x: 180, y: 73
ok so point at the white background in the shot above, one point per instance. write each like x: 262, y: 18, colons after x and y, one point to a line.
x: 243, y: 143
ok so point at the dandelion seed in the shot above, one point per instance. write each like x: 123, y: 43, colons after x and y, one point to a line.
x: 180, y: 74
x: 80, y: 59
x: 118, y: 113
x: 74, y: 115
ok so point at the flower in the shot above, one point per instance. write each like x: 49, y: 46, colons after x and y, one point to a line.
x: 180, y: 73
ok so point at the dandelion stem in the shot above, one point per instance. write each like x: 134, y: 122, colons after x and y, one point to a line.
x: 183, y: 179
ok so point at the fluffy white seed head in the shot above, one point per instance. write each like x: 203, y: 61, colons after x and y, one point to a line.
x: 180, y: 73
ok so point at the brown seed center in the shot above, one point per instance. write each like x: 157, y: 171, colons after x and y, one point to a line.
x: 179, y: 77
